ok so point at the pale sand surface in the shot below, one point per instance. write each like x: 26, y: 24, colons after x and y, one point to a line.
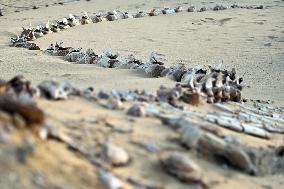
x: 190, y: 38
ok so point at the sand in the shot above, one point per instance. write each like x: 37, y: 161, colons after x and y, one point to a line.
x: 252, y: 41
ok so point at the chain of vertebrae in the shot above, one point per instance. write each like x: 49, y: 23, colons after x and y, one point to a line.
x: 213, y: 84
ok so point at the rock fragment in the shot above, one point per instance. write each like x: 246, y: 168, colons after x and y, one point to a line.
x: 154, y: 60
x: 110, y: 181
x: 114, y: 154
x: 182, y: 167
x: 190, y: 135
x: 194, y: 98
x: 111, y: 16
x: 16, y: 99
x: 170, y: 95
x: 114, y: 104
x: 178, y: 9
x: 73, y: 21
x: 136, y: 111
x: 234, y: 154
x: 140, y: 14
x: 54, y: 90
x: 154, y: 70
x: 191, y: 9
x: 55, y: 28
x: 142, y: 185
x: 202, y: 9
x: 29, y: 112
x: 126, y: 15
x: 103, y: 95
x: 219, y: 7
x: 85, y: 19
x: 168, y: 10
x: 154, y: 12
x: 97, y: 18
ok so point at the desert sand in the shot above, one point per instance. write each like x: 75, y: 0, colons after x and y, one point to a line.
x: 252, y: 41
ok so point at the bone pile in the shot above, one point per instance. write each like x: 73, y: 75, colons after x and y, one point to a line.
x: 32, y: 33
x: 259, y: 121
x: 23, y: 42
x: 212, y: 143
x: 213, y: 84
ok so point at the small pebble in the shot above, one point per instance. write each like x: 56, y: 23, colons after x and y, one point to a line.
x: 152, y: 147
x: 103, y: 95
x: 26, y: 149
x: 43, y: 133
x: 114, y: 104
x: 182, y: 167
x: 202, y: 9
x: 35, y: 7
x: 136, y: 111
x: 110, y: 181
x: 189, y: 135
x: 191, y: 9
x: 178, y: 9
x: 114, y: 154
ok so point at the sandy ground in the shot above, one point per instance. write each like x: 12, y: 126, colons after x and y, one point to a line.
x: 249, y: 40
x: 252, y: 41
